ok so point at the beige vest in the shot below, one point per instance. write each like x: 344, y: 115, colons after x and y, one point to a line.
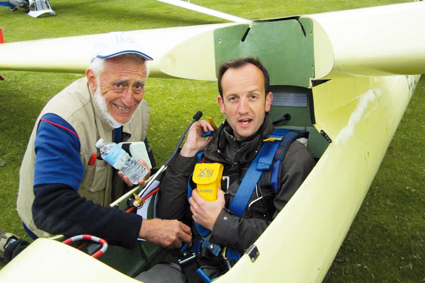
x: 74, y: 105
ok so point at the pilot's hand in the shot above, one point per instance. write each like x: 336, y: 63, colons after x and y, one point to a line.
x: 206, y: 212
x: 194, y: 141
x: 166, y: 233
x: 141, y: 181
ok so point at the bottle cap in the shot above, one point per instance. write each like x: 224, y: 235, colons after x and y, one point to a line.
x: 99, y: 143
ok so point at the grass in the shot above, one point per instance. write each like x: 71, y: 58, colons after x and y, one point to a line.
x: 386, y: 242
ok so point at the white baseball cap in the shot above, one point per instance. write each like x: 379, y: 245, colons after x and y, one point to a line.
x: 117, y: 43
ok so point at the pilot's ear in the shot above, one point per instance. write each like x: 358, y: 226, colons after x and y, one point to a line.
x: 269, y: 99
x: 91, y: 79
x: 221, y: 104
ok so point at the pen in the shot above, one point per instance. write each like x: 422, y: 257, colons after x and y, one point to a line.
x: 92, y: 160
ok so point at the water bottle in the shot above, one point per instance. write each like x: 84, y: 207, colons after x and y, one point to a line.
x: 119, y: 159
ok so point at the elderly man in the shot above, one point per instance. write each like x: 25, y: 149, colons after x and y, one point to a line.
x: 63, y: 189
x: 245, y: 99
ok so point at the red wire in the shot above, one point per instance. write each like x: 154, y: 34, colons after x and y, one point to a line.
x: 144, y: 198
x: 130, y: 209
x: 151, y: 193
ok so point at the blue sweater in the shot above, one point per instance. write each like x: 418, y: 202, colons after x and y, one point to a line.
x: 58, y: 172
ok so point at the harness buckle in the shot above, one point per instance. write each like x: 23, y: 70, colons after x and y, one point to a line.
x: 272, y: 139
x: 214, y: 248
x: 187, y: 256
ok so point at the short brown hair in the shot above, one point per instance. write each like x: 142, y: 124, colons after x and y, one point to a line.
x: 239, y: 63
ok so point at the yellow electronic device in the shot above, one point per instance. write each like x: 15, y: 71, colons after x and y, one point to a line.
x: 207, y: 177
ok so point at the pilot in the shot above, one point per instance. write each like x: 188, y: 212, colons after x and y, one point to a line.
x: 245, y: 99
x: 62, y: 189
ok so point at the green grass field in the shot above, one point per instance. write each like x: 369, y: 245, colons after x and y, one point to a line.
x: 386, y: 242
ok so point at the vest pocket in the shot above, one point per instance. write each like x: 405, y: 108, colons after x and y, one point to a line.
x: 95, y: 177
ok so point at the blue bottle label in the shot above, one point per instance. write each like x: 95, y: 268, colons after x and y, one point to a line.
x: 114, y: 155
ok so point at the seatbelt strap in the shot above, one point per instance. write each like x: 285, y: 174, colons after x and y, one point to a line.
x: 262, y: 161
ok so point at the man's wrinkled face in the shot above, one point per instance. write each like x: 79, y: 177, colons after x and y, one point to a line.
x: 244, y: 100
x: 121, y: 85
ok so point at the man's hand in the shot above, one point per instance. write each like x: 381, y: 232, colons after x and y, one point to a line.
x: 141, y: 181
x: 206, y: 212
x: 194, y: 141
x: 166, y: 233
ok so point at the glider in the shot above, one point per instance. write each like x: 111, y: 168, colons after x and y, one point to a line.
x: 34, y: 8
x: 346, y: 77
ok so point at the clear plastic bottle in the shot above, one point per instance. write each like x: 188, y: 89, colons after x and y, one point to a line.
x: 119, y: 159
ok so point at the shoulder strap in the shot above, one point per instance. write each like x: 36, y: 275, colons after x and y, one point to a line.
x: 262, y: 162
x: 274, y: 174
x: 287, y: 140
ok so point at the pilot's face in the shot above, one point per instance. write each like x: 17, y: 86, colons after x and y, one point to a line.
x: 244, y: 100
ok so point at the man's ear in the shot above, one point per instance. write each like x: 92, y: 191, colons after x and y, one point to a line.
x: 269, y: 99
x: 220, y: 102
x: 91, y: 79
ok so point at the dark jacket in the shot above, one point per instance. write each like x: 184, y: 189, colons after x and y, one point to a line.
x: 236, y: 156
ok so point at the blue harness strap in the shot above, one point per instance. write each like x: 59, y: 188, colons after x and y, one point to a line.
x: 201, y: 229
x: 263, y: 161
x: 286, y: 141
